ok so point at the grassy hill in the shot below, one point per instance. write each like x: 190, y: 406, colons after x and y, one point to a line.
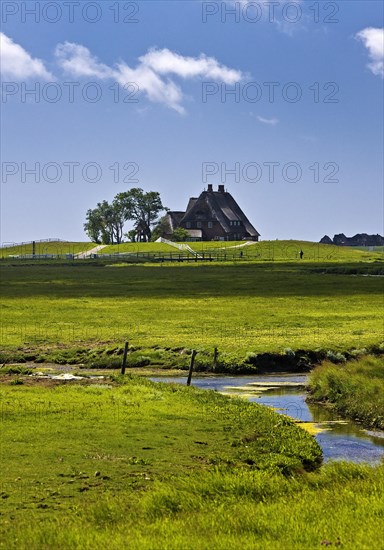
x: 287, y: 250
x: 261, y: 251
x: 46, y: 247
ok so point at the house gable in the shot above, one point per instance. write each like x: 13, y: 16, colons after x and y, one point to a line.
x: 217, y: 215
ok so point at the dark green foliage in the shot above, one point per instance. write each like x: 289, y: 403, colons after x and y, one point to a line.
x: 141, y: 208
x: 180, y: 235
x: 105, y: 223
x: 15, y: 369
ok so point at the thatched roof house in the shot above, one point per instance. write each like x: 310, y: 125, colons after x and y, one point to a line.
x: 214, y: 215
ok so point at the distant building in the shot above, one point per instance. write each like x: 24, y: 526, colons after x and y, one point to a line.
x: 213, y: 216
x: 361, y: 239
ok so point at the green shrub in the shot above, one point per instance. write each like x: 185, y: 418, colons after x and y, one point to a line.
x: 250, y: 358
x: 138, y: 361
x: 17, y: 382
x: 336, y: 357
x: 356, y: 388
x: 15, y: 369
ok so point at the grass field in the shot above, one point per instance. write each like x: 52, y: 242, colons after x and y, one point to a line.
x: 260, y: 251
x: 41, y: 248
x: 138, y: 248
x: 145, y: 466
x: 370, y: 248
x: 125, y: 463
x: 240, y: 308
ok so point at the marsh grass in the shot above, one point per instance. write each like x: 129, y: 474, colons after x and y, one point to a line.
x: 70, y: 452
x: 140, y: 465
x: 242, y: 309
x: 355, y: 389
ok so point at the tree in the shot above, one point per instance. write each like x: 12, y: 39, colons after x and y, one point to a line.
x: 162, y: 228
x: 105, y: 223
x: 131, y: 235
x: 93, y: 225
x: 180, y: 234
x: 142, y: 208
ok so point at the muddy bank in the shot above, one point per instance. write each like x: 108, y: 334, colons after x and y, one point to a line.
x: 105, y: 356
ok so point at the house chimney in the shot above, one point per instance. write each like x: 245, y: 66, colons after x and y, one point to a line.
x: 210, y: 188
x: 221, y: 189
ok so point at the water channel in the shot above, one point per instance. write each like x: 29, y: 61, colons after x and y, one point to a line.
x: 339, y: 439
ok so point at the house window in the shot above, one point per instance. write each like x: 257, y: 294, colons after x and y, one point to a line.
x: 198, y: 225
x: 188, y: 224
x: 210, y: 225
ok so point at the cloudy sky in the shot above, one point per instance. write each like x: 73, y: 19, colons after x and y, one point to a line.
x: 281, y: 102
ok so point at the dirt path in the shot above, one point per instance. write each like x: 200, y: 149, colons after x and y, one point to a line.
x: 88, y: 253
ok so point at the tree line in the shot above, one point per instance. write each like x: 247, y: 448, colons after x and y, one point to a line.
x: 105, y: 223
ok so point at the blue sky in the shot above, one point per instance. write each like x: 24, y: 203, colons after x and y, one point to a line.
x: 298, y: 142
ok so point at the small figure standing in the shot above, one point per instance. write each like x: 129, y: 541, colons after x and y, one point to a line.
x: 301, y: 254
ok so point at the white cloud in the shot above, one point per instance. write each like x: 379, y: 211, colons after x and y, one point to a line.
x: 373, y: 40
x: 156, y: 89
x: 167, y: 62
x: 149, y: 74
x: 17, y: 63
x: 270, y: 121
x: 78, y: 61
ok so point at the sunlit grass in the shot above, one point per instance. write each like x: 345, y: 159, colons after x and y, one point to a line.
x: 148, y: 466
x: 41, y: 248
x: 238, y: 308
x: 258, y: 251
x: 141, y: 248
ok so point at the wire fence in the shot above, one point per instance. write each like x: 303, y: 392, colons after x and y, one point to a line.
x: 26, y: 243
x: 138, y: 256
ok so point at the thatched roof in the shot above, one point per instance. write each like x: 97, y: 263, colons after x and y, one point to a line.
x: 174, y: 219
x: 223, y: 208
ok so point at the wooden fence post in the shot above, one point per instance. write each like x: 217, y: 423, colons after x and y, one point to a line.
x: 191, y: 367
x: 215, y: 355
x: 124, y: 358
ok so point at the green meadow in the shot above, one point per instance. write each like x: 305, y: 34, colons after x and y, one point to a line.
x: 122, y: 462
x: 45, y: 247
x: 166, y: 309
x: 134, y: 464
x: 259, y: 251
